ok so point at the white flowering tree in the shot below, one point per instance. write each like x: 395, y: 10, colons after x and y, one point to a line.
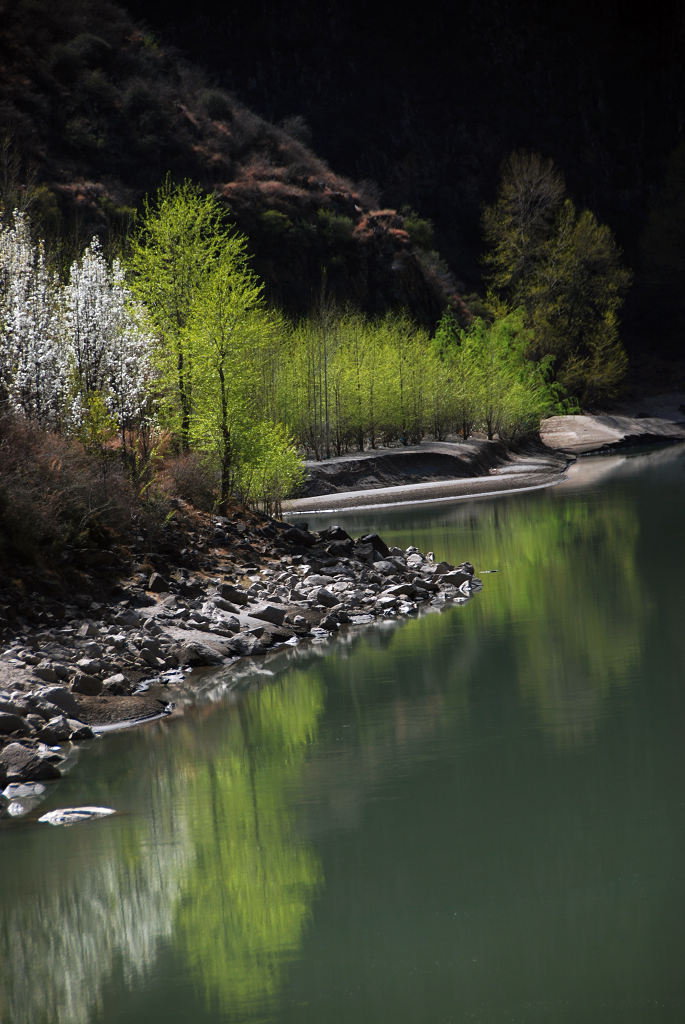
x: 107, y: 340
x: 33, y: 360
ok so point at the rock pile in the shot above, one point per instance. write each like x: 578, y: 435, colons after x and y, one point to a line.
x: 94, y: 665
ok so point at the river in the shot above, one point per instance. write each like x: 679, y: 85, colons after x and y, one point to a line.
x: 475, y: 815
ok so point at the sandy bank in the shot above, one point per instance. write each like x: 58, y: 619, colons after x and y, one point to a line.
x: 448, y: 470
x: 434, y: 471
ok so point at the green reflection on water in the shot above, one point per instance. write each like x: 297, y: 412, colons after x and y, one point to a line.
x: 565, y: 595
x: 248, y: 897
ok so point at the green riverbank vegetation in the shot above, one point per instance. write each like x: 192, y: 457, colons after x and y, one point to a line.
x: 170, y: 357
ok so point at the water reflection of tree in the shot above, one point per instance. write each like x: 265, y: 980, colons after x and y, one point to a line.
x: 565, y: 599
x: 572, y: 567
x: 248, y: 898
x: 88, y: 903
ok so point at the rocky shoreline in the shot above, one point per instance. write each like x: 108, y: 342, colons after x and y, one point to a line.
x: 227, y: 589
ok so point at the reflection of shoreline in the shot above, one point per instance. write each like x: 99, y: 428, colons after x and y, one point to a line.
x: 593, y: 469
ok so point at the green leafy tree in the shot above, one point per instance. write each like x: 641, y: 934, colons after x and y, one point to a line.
x: 181, y: 236
x: 269, y: 466
x: 495, y: 386
x: 228, y: 325
x: 564, y: 269
x: 520, y: 221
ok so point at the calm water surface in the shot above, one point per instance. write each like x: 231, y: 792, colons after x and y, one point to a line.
x: 477, y: 815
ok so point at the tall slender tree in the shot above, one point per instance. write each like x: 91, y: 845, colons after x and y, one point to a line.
x: 181, y: 235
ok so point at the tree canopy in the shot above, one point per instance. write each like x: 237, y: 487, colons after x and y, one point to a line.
x: 564, y: 270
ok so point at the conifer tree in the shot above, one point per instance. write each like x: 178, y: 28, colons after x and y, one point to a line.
x: 564, y: 269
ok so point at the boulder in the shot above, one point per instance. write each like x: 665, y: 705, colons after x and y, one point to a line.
x: 296, y: 535
x: 456, y: 578
x: 60, y: 698
x: 84, y: 683
x: 230, y: 593
x: 25, y: 764
x: 46, y: 672
x: 79, y: 731
x: 193, y: 654
x: 157, y: 584
x: 245, y: 644
x: 12, y: 723
x: 57, y: 730
x: 270, y: 613
x: 376, y: 542
x: 336, y: 533
x: 326, y: 598
x: 340, y: 548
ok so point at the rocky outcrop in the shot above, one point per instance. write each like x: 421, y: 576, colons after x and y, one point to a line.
x: 108, y: 662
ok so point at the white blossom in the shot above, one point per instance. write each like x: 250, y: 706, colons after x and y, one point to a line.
x: 61, y: 344
x: 33, y: 365
x: 106, y: 336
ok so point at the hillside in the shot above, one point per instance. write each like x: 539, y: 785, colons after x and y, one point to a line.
x: 429, y: 101
x: 95, y: 112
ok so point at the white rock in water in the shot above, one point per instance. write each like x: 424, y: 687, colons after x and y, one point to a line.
x: 71, y: 815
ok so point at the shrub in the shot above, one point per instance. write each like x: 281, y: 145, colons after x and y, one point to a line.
x: 336, y: 228
x: 217, y: 104
x: 52, y: 493
x: 419, y: 229
x: 189, y: 476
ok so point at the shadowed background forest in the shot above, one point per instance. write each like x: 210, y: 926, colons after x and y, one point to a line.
x: 426, y: 103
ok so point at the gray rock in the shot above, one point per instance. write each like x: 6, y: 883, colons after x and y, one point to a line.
x: 316, y: 579
x: 388, y: 566
x: 24, y: 764
x: 88, y: 629
x: 12, y: 723
x: 46, y: 672
x: 401, y: 588
x: 326, y: 598
x: 245, y: 644
x: 86, y: 684
x: 79, y: 731
x: 230, y: 593
x: 11, y: 707
x: 193, y: 654
x: 126, y: 617
x: 60, y: 697
x: 118, y: 679
x: 455, y: 579
x: 330, y: 623
x: 157, y: 584
x: 441, y: 567
x: 269, y: 613
x: 57, y: 730
x: 90, y: 666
